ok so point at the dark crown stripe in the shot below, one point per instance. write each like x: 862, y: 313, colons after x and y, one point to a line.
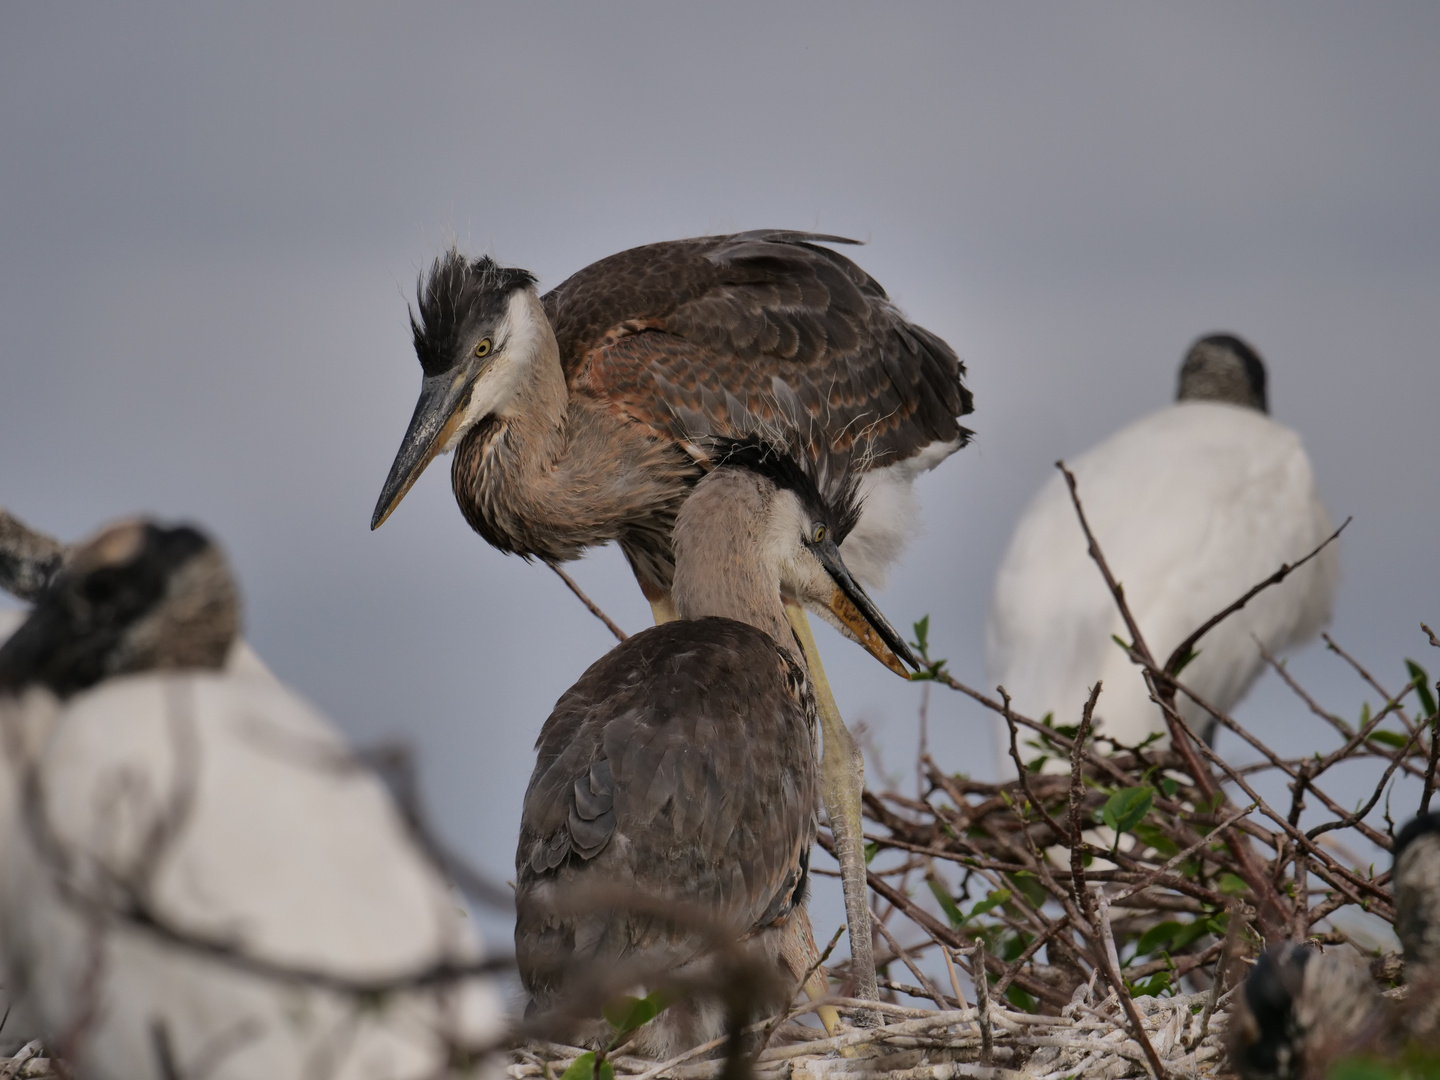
x: 841, y: 506
x: 454, y: 295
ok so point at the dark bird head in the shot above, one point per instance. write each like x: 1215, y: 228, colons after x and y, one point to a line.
x: 1300, y: 1010
x: 798, y: 532
x: 477, y: 325
x: 1416, y: 880
x: 137, y: 597
x: 1264, y: 1037
x: 1221, y: 367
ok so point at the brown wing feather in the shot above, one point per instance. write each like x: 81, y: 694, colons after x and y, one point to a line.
x: 682, y: 766
x: 730, y: 335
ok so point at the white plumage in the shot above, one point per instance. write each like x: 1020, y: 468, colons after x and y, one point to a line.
x: 286, y: 849
x: 1192, y: 505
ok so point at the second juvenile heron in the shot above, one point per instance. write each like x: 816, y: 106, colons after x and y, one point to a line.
x: 680, y: 769
x: 582, y: 417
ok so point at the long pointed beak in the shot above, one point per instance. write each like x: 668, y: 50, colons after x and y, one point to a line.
x: 442, y: 403
x: 857, y: 614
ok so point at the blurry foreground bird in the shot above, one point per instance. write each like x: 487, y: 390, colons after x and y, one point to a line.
x: 666, y: 835
x: 1300, y: 1009
x: 1192, y: 506
x: 1416, y: 881
x: 583, y: 416
x: 200, y: 878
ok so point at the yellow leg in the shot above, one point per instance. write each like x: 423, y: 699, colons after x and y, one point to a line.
x: 663, y: 609
x: 842, y: 780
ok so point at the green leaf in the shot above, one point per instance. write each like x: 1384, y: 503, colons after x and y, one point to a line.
x: 1028, y: 886
x: 1122, y: 643
x: 583, y: 1068
x: 922, y: 637
x: 1191, y: 932
x: 1128, y: 807
x: 1365, y: 714
x: 1158, y: 937
x: 625, y: 1014
x: 1231, y: 885
x: 947, y: 904
x: 1422, y: 686
x: 992, y: 901
x: 871, y: 849
x: 1169, y: 787
x: 1388, y: 738
x: 1186, y: 660
x: 1152, y: 987
x: 1155, y: 837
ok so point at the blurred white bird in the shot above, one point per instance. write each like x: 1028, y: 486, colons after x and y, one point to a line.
x: 1192, y: 505
x: 200, y: 878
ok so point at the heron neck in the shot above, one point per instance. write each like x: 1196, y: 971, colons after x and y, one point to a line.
x: 723, y: 566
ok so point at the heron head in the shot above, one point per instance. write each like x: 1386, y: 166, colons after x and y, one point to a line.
x: 803, y: 530
x: 1263, y: 1033
x: 478, y: 323
x: 1221, y: 367
x: 136, y: 597
x: 1416, y: 879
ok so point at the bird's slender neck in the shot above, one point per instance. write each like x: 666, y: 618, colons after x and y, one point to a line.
x: 724, y: 563
x: 525, y: 388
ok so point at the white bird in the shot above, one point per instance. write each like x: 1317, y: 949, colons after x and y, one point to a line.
x: 1192, y: 505
x: 200, y: 878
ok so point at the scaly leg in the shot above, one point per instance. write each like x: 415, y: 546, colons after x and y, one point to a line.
x: 663, y: 608
x: 842, y: 780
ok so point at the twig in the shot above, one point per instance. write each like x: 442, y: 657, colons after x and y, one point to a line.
x: 1286, y: 569
x: 1077, y: 793
x: 931, y: 990
x: 982, y: 1000
x: 590, y: 605
x: 1233, y: 927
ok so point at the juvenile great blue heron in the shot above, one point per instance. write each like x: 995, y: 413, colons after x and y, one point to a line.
x: 1192, y: 505
x: 581, y: 417
x: 681, y: 767
x: 199, y: 878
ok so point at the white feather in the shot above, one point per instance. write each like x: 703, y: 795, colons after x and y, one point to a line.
x: 1192, y: 505
x: 889, y: 515
x: 289, y: 851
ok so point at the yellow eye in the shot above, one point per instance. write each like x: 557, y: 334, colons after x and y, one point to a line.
x: 483, y: 349
x: 818, y: 536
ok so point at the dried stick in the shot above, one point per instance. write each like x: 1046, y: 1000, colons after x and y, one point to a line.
x: 1077, y: 793
x: 931, y: 990
x: 1112, y: 974
x: 1253, y: 873
x: 982, y: 999
x: 590, y: 605
x: 1286, y: 569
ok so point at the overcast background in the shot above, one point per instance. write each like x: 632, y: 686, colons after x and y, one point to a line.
x: 211, y: 221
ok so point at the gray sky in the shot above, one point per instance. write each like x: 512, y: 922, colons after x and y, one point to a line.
x: 212, y: 219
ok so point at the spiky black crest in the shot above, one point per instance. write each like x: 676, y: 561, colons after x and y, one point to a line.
x: 840, y: 509
x: 456, y: 296
x: 1415, y: 828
